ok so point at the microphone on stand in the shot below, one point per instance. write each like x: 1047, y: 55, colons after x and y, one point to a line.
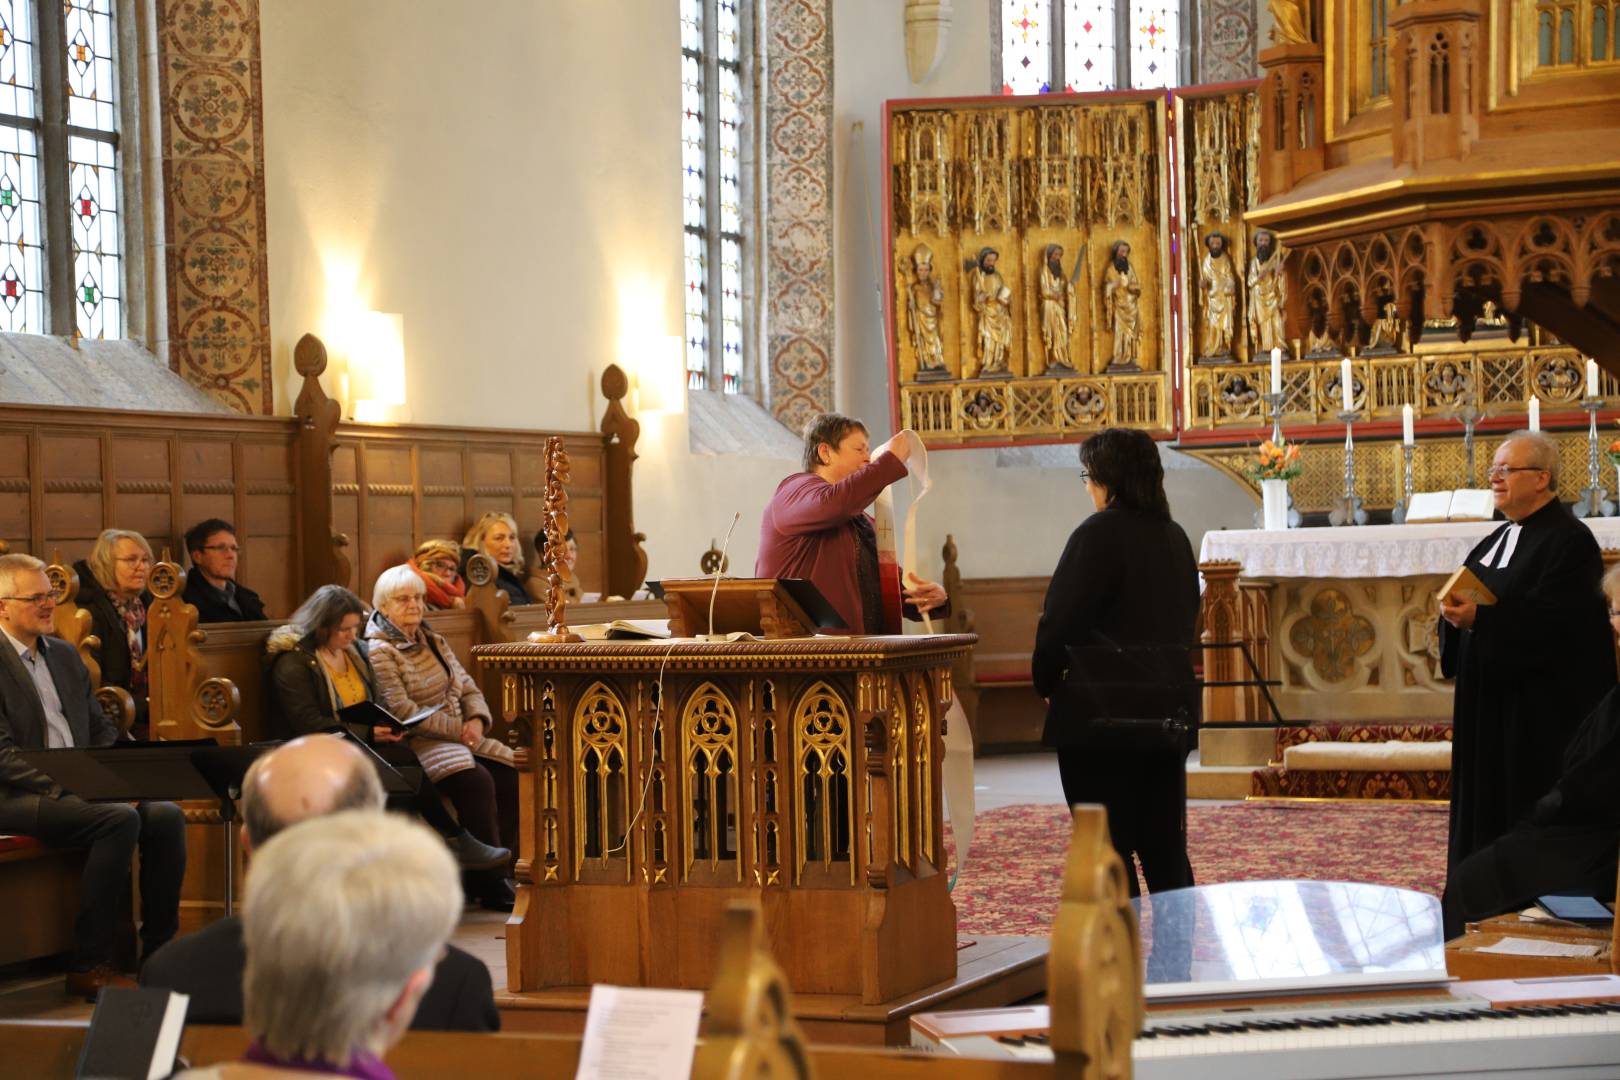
x: 719, y: 567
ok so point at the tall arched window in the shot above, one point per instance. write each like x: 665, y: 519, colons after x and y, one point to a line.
x: 60, y: 208
x: 1378, y: 49
x: 1086, y: 45
x: 716, y: 47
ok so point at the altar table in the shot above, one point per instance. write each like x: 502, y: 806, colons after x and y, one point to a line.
x: 1344, y: 617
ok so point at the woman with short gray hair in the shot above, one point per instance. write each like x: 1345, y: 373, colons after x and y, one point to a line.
x: 417, y: 670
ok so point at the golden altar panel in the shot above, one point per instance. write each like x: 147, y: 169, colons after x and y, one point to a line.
x: 1017, y: 312
x: 661, y: 779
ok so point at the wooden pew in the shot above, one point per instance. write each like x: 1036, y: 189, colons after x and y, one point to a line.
x: 1000, y: 700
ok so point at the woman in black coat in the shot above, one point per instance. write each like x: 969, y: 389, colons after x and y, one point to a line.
x: 1127, y: 578
x: 112, y: 588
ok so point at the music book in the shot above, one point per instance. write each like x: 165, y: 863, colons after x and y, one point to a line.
x: 1464, y: 504
x: 370, y: 714
x: 1465, y: 585
x: 622, y: 629
x: 134, y: 1034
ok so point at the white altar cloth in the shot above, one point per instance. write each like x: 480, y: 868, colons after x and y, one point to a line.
x: 1365, y: 551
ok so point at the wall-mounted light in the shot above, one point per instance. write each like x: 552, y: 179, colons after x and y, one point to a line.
x: 659, y: 364
x: 377, y: 364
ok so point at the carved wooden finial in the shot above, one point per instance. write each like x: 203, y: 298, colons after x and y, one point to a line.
x: 751, y: 1031
x: 556, y: 530
x: 1094, y: 970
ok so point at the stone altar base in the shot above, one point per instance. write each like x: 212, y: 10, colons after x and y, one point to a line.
x: 991, y: 971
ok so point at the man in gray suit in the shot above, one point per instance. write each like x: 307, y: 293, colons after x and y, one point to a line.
x: 46, y: 701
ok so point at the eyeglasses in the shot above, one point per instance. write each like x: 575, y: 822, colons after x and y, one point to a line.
x: 232, y: 548
x: 135, y: 560
x: 407, y: 601
x: 1502, y: 470
x: 1085, y: 474
x: 39, y: 599
x: 1614, y: 613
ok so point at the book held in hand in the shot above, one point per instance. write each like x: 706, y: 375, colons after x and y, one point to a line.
x: 1465, y: 585
x: 370, y: 714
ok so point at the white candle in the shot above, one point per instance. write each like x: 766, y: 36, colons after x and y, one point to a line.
x: 1591, y: 377
x: 1535, y: 414
x: 1345, y: 384
x: 1406, y: 425
x: 1276, y: 370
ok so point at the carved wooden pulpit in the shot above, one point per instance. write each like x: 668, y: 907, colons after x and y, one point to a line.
x: 662, y: 779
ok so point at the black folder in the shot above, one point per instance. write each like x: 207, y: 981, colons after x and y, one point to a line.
x: 369, y: 714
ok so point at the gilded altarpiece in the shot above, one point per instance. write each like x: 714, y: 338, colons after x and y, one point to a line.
x: 659, y: 780
x: 1029, y: 267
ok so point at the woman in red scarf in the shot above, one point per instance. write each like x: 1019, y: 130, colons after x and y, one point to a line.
x: 437, y: 563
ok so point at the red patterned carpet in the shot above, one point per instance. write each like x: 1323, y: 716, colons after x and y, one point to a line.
x: 1016, y: 866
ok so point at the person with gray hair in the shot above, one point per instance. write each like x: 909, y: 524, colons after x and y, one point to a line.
x: 344, y: 919
x: 306, y: 778
x: 112, y: 588
x: 417, y: 670
x: 1531, y: 665
x: 46, y: 701
x: 317, y: 666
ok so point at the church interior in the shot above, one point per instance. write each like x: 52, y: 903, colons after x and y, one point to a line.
x: 1352, y: 266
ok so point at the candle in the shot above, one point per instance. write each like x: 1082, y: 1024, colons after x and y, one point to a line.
x: 1535, y: 414
x: 1591, y: 377
x: 1406, y: 425
x: 1346, y: 384
x: 1276, y: 370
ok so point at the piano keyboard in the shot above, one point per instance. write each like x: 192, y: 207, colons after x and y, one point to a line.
x: 1571, y: 1042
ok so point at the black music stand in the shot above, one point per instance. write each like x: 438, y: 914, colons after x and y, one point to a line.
x: 168, y: 771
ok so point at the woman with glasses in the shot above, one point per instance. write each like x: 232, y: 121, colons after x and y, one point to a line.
x: 416, y: 670
x: 317, y: 665
x: 1126, y: 580
x: 438, y: 564
x: 112, y: 587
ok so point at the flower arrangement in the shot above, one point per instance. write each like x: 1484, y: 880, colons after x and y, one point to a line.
x: 1278, y: 461
x: 1613, y: 452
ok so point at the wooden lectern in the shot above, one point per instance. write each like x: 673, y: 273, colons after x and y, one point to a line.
x: 661, y: 780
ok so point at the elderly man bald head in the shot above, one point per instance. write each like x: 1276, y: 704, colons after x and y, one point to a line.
x: 305, y: 778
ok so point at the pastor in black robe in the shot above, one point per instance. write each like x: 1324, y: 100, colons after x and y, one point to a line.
x: 1529, y: 669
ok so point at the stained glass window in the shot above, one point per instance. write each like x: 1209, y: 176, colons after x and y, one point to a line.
x: 1081, y: 46
x: 1026, y: 51
x: 22, y: 264
x: 93, y: 168
x: 714, y: 120
x: 1155, y: 44
x: 1088, y: 45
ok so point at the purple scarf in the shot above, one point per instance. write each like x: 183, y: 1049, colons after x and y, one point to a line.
x: 365, y: 1066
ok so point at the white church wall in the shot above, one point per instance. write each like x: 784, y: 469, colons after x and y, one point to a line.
x: 508, y: 182
x: 1010, y: 512
x: 507, y: 179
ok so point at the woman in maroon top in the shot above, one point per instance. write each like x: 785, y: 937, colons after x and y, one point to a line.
x: 816, y: 526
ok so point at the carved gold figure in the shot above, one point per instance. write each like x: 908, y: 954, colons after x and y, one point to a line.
x: 1057, y: 310
x: 1121, y: 303
x: 923, y: 299
x: 1289, y: 22
x: 1386, y: 331
x: 1217, y: 293
x: 1268, y: 295
x: 992, y: 304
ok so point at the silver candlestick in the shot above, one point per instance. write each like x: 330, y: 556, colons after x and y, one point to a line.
x: 1398, y: 515
x: 1349, y: 511
x: 1593, y: 501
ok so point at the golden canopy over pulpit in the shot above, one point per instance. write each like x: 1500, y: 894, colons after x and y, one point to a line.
x: 662, y: 779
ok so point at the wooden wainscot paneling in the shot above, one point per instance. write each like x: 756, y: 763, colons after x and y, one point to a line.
x: 999, y: 696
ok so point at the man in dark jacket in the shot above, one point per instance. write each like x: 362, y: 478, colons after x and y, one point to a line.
x: 306, y: 778
x: 211, y: 587
x: 46, y: 701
